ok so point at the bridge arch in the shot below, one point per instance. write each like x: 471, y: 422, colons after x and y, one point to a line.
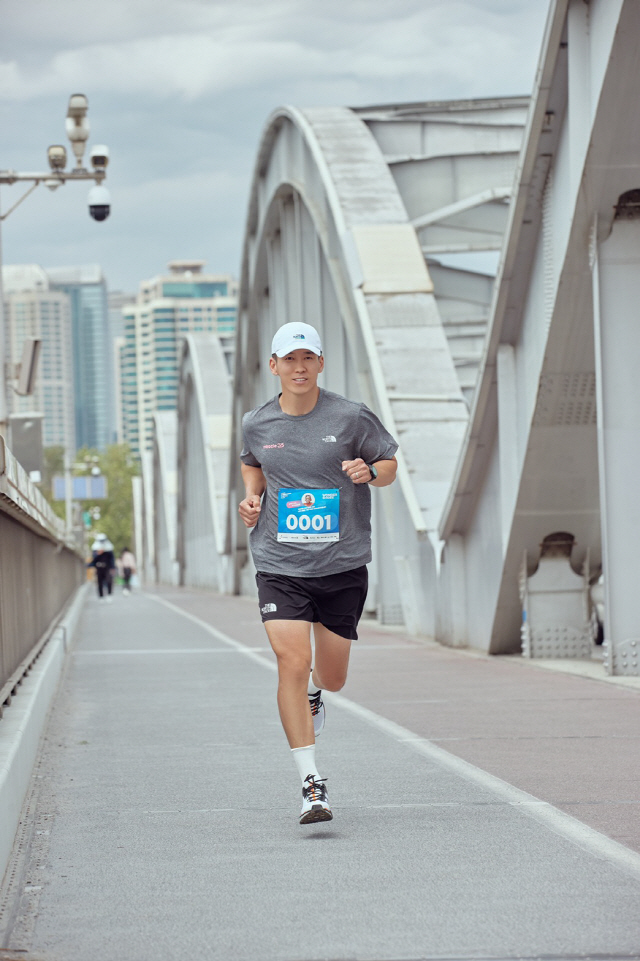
x: 329, y: 241
x: 204, y: 405
x: 163, y: 496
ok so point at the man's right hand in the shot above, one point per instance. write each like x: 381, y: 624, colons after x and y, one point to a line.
x: 249, y: 510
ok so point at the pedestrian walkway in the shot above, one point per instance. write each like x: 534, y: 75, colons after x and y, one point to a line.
x: 483, y: 808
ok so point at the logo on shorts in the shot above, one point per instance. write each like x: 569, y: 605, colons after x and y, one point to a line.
x: 271, y: 446
x: 268, y: 608
x: 329, y: 439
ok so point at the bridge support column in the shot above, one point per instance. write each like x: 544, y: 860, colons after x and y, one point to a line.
x: 616, y: 287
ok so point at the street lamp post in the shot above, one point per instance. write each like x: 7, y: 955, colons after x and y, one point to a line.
x: 91, y: 463
x: 77, y: 127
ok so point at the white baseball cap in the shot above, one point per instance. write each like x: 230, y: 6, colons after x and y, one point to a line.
x: 296, y: 336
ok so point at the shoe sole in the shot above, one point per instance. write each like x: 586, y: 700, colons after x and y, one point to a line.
x: 316, y: 814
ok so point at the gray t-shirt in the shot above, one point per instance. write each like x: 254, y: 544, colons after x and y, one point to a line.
x: 306, y: 453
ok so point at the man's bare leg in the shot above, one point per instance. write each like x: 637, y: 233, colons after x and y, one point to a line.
x: 291, y: 643
x: 329, y: 673
x: 331, y: 659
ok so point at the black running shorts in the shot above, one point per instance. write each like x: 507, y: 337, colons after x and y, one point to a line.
x: 335, y: 601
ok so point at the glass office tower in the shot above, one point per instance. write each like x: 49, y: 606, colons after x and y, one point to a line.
x: 93, y: 373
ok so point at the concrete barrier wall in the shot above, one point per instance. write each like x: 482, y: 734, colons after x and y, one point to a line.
x: 42, y: 586
x: 24, y: 721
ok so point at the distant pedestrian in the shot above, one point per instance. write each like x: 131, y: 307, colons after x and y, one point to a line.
x: 128, y: 569
x: 104, y: 564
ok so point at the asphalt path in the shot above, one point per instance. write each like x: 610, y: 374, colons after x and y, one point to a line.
x: 163, y: 821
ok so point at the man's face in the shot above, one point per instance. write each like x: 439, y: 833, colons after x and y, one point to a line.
x: 298, y: 371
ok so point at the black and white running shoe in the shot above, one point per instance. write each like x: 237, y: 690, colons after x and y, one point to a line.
x: 315, y: 804
x: 317, y: 711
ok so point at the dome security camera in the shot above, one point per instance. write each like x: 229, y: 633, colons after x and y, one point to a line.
x: 99, y: 203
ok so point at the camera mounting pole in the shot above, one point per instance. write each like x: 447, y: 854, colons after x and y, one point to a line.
x: 77, y: 127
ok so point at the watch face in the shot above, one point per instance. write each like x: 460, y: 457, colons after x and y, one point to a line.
x: 373, y: 471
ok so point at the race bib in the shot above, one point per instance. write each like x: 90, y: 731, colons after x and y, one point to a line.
x: 308, y: 515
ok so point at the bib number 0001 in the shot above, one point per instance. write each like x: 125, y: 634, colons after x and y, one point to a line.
x: 306, y: 522
x: 307, y: 516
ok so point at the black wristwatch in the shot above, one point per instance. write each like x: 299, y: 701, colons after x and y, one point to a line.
x: 373, y: 472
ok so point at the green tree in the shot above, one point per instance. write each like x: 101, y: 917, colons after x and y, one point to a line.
x: 119, y: 466
x: 53, y: 464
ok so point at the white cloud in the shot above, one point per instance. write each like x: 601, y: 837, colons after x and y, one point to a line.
x: 180, y: 90
x: 211, y: 54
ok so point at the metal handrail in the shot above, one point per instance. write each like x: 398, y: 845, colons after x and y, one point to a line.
x: 39, y: 572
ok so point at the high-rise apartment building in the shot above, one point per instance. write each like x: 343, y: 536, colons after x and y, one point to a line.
x: 117, y: 300
x: 34, y: 309
x: 92, y: 352
x: 186, y: 300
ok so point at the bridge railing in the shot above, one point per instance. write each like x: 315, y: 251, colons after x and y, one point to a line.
x: 39, y: 572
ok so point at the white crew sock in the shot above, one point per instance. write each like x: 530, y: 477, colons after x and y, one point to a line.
x: 305, y: 758
x: 312, y: 688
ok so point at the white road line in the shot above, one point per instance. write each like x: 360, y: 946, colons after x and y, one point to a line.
x: 250, y: 652
x: 551, y: 817
x: 568, y: 827
x: 116, y: 652
x: 357, y: 646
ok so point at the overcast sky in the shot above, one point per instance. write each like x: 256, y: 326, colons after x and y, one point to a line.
x: 180, y: 91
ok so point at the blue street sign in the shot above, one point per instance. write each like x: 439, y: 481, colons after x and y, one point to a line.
x: 87, y: 488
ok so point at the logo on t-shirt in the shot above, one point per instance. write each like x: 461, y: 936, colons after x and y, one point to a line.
x: 271, y: 446
x: 269, y: 608
x: 329, y: 439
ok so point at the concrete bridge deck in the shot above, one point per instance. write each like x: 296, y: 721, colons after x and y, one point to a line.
x: 483, y: 807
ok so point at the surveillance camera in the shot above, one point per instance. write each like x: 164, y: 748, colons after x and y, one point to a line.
x: 99, y: 157
x: 57, y: 155
x: 78, y: 105
x: 99, y: 203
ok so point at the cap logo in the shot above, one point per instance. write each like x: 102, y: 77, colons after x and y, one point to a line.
x: 298, y: 337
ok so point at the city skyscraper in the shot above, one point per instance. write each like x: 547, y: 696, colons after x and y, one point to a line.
x: 186, y: 300
x: 92, y: 352
x: 116, y: 302
x: 34, y: 309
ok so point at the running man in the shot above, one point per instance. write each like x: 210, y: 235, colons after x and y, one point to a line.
x: 308, y: 460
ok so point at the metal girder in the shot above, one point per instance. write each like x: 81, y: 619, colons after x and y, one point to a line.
x: 467, y: 203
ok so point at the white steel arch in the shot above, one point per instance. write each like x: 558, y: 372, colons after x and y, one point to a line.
x: 515, y: 403
x: 329, y: 241
x: 553, y: 440
x: 204, y: 405
x: 165, y: 489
